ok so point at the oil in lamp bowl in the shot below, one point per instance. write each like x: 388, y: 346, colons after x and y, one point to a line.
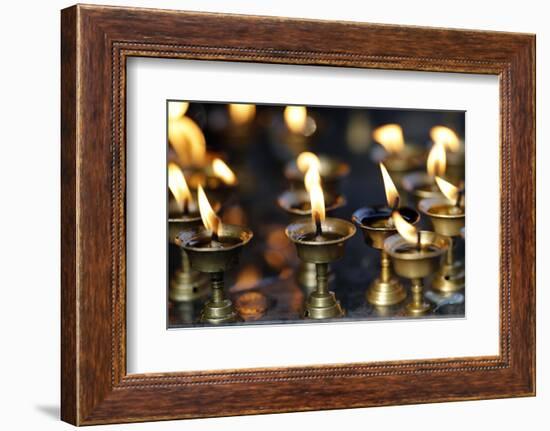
x: 332, y: 172
x: 372, y: 221
x: 411, y: 263
x: 446, y: 218
x: 419, y: 185
x: 329, y: 247
x: 214, y: 259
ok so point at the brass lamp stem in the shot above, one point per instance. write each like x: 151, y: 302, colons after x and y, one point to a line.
x: 416, y: 290
x: 385, y: 265
x: 418, y: 306
x: 322, y: 278
x: 217, y: 287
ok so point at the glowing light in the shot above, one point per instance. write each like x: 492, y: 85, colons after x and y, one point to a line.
x: 223, y: 172
x: 392, y: 195
x: 390, y: 136
x: 209, y: 218
x: 437, y: 160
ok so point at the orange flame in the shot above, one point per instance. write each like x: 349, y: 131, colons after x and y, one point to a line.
x: 223, y: 172
x: 177, y: 109
x: 209, y: 218
x: 178, y: 187
x: 390, y: 136
x: 188, y: 141
x: 437, y: 160
x: 311, y: 178
x: 317, y: 203
x: 392, y: 195
x: 241, y: 113
x: 450, y: 191
x: 446, y: 136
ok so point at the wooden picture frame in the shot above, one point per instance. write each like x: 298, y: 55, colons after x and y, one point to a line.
x: 95, y: 42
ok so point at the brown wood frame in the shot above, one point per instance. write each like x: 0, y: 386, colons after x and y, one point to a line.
x: 95, y: 42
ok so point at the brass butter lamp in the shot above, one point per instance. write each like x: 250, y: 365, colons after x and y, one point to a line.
x: 214, y: 249
x: 398, y: 156
x: 320, y: 241
x: 415, y: 255
x: 455, y: 152
x: 377, y: 225
x: 296, y: 204
x: 186, y: 284
x: 332, y: 171
x: 447, y: 215
x: 421, y: 184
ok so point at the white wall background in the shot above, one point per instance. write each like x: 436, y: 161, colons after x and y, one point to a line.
x: 29, y: 178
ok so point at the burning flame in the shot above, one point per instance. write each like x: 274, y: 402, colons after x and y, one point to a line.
x: 449, y: 190
x: 188, y: 141
x: 317, y: 203
x: 306, y: 160
x: 310, y: 164
x: 223, y: 172
x: 209, y: 218
x: 296, y: 118
x: 446, y: 136
x: 392, y: 195
x: 177, y: 109
x: 437, y: 160
x: 312, y: 178
x: 407, y: 230
x: 390, y: 136
x: 178, y: 187
x: 241, y: 113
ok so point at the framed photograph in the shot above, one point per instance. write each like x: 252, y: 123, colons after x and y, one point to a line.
x: 259, y: 217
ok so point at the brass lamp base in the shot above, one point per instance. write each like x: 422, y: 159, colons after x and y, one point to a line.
x: 219, y: 312
x: 450, y: 279
x: 384, y: 293
x: 218, y: 309
x: 323, y: 306
x: 418, y: 305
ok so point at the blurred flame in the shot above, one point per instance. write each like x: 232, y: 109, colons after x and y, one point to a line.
x: 437, y: 160
x: 209, y: 218
x: 317, y: 203
x: 306, y: 160
x: 241, y: 113
x: 188, y: 141
x: 446, y: 136
x: 449, y: 190
x: 392, y: 195
x: 296, y: 118
x: 390, y: 136
x: 223, y: 172
x: 177, y: 109
x: 178, y: 186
